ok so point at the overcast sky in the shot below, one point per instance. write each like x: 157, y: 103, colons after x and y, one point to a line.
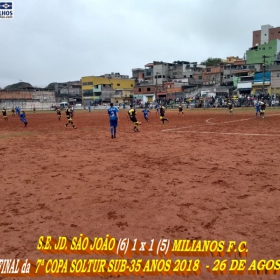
x: 63, y: 40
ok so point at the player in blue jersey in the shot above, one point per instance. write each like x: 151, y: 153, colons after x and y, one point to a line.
x: 146, y: 112
x: 113, y: 113
x: 17, y: 110
x: 157, y: 107
x: 23, y: 118
x: 258, y: 108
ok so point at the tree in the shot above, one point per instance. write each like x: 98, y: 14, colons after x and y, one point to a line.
x: 212, y: 61
x: 18, y: 86
x: 51, y: 86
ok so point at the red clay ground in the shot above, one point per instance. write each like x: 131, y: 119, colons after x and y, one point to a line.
x: 181, y: 183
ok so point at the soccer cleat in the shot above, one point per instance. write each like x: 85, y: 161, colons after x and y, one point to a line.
x: 167, y: 120
x: 65, y: 125
x: 112, y: 136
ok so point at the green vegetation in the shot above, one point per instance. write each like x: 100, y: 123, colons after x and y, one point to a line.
x: 212, y: 61
x: 50, y: 86
x: 18, y: 86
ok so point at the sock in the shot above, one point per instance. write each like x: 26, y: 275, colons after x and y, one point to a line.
x: 115, y: 131
x: 111, y: 130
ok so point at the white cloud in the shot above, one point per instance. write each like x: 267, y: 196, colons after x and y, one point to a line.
x: 64, y: 40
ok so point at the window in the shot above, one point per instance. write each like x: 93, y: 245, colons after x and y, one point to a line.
x: 278, y: 75
x: 271, y: 33
x: 159, y: 76
x: 131, y: 85
x: 90, y: 83
x: 163, y: 76
x: 148, y: 89
x: 200, y: 78
x: 84, y: 84
x: 270, y: 48
x: 264, y: 34
x: 95, y: 86
x: 87, y: 93
x: 263, y: 48
x: 118, y: 85
x: 97, y: 94
x: 139, y: 89
x: 208, y: 69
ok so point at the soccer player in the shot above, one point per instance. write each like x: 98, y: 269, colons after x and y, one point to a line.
x: 13, y: 111
x: 258, y: 108
x: 162, y: 114
x: 23, y: 118
x: 34, y: 109
x: 58, y: 112
x: 146, y: 112
x: 156, y: 107
x: 113, y: 113
x: 263, y: 106
x: 180, y: 108
x: 4, y: 113
x: 69, y: 115
x: 229, y: 104
x: 17, y: 110
x: 132, y: 116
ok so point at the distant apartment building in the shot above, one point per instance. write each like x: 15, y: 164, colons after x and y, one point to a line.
x: 231, y: 67
x: 270, y: 50
x: 68, y: 91
x: 118, y: 87
x: 275, y: 79
x: 265, y: 35
x: 212, y: 75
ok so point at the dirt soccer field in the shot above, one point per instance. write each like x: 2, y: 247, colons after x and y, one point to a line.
x: 204, y: 176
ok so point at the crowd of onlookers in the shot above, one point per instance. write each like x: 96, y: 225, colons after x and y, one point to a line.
x: 243, y: 100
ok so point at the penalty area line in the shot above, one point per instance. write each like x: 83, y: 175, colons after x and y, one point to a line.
x: 229, y: 133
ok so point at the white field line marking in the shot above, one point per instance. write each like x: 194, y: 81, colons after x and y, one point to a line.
x: 172, y: 129
x: 228, y: 133
x: 240, y: 120
x: 210, y: 123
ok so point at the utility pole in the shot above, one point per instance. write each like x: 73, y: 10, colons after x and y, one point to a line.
x: 264, y: 57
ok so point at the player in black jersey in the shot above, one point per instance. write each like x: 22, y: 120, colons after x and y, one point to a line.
x: 229, y: 104
x: 263, y: 107
x: 58, y: 112
x: 4, y: 113
x: 69, y: 115
x: 180, y: 108
x: 162, y: 114
x: 131, y: 114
